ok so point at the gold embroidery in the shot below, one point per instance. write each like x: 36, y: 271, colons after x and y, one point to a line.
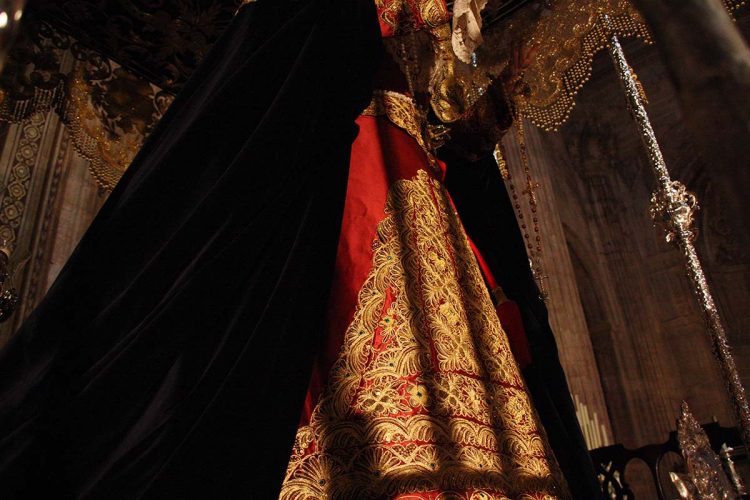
x: 402, y: 112
x: 448, y: 91
x: 392, y: 13
x: 433, y: 13
x: 402, y: 16
x: 109, y: 149
x: 425, y: 395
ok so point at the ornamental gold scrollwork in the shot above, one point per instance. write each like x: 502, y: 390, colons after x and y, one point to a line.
x: 390, y: 12
x: 566, y: 42
x: 425, y: 395
x: 108, y: 110
x: 433, y: 13
x: 448, y: 96
x: 103, y: 131
x: 402, y: 16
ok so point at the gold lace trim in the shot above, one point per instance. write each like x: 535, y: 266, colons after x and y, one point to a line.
x: 425, y: 395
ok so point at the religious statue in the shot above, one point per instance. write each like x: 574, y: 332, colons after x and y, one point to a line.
x: 417, y: 392
x: 260, y: 294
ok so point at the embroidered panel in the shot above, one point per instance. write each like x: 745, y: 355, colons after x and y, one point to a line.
x: 425, y: 400
x: 398, y: 17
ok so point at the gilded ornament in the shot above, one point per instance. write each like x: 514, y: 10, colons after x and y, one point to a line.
x: 433, y: 13
x: 98, y: 134
x: 502, y: 163
x: 675, y: 208
x: 391, y: 13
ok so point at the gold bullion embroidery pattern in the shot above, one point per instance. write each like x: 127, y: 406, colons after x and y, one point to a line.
x: 425, y: 395
x: 402, y: 112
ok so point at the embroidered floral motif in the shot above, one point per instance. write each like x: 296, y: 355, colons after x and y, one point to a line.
x: 425, y: 400
x: 418, y: 396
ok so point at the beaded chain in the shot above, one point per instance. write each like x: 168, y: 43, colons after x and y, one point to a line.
x: 533, y: 247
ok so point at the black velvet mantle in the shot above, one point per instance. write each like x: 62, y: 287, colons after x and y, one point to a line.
x: 171, y: 356
x: 479, y: 193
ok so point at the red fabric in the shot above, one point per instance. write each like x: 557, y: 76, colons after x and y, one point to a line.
x: 510, y: 318
x: 381, y: 154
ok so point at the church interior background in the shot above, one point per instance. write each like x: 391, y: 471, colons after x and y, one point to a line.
x: 631, y: 335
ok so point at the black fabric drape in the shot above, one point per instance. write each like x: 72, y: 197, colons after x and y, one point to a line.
x: 171, y: 356
x: 487, y: 213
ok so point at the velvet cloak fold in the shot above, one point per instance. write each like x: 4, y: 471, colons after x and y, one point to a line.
x: 171, y: 356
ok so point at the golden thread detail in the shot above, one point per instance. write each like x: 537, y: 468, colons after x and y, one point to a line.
x: 425, y: 395
x: 401, y: 111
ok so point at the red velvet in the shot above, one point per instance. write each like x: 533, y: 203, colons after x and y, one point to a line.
x: 488, y: 276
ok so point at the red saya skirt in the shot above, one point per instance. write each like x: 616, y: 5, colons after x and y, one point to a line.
x: 416, y: 393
